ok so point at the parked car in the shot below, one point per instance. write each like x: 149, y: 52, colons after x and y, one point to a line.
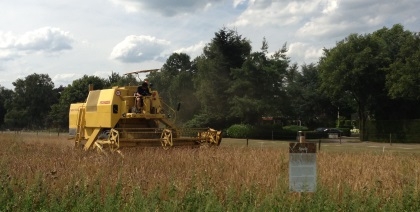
x: 327, y: 132
x: 333, y: 130
x: 320, y: 129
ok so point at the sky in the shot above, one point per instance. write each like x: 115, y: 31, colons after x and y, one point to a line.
x: 68, y: 39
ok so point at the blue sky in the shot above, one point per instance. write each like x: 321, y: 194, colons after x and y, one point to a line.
x: 68, y: 39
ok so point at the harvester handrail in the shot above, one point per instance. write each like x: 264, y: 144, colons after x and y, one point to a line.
x: 170, y: 108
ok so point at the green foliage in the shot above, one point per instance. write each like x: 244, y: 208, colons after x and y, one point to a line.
x: 404, y: 131
x: 403, y: 76
x: 239, y: 131
x: 363, y: 66
x: 175, y: 85
x: 266, y: 131
x: 306, y: 101
x: 5, y: 98
x: 295, y: 128
x: 256, y: 88
x: 225, y: 52
x: 30, y: 101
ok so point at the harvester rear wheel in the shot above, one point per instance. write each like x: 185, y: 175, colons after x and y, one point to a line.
x: 166, y: 139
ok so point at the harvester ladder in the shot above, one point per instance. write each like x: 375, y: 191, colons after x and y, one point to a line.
x: 80, y: 125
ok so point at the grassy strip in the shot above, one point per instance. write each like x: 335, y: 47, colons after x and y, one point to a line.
x: 76, y: 198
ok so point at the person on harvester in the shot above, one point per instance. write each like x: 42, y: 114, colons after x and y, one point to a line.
x: 142, y: 90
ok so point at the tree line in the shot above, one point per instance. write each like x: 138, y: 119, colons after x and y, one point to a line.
x: 374, y: 76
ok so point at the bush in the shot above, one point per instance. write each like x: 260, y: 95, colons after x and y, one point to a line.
x: 272, y: 131
x: 239, y: 131
x: 295, y: 128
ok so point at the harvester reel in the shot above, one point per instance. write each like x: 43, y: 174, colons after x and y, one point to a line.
x: 114, y: 138
x: 210, y: 137
x: 166, y: 139
x: 113, y: 142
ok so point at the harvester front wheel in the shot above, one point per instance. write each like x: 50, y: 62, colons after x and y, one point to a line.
x: 114, y: 138
x: 166, y: 139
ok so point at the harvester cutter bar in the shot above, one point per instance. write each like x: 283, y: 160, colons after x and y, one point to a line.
x: 153, y: 136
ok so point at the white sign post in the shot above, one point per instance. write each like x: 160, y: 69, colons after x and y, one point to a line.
x: 302, y: 167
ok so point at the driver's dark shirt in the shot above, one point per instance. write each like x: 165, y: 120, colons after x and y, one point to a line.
x: 143, y: 91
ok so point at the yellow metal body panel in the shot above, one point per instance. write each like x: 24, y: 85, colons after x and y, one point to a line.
x: 74, y: 118
x: 99, y: 111
x: 92, y: 138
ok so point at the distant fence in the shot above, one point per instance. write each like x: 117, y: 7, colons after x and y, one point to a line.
x: 399, y: 131
x: 36, y: 132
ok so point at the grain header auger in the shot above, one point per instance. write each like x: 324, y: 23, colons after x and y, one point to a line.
x: 111, y: 118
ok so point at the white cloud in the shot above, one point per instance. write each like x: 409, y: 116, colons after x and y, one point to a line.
x: 45, y: 39
x: 64, y: 79
x: 304, y: 52
x: 194, y: 50
x: 166, y: 7
x: 276, y: 13
x: 42, y: 40
x: 330, y: 6
x: 139, y: 48
x: 7, y: 55
x: 7, y: 39
x: 238, y: 2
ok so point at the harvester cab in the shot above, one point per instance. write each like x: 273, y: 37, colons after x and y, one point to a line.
x: 122, y: 116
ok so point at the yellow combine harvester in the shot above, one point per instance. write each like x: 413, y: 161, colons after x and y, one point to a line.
x: 110, y: 118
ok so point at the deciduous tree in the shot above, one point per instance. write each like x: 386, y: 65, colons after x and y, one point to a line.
x: 31, y: 101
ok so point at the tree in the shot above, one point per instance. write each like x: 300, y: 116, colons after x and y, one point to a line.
x: 178, y: 70
x: 5, y: 98
x: 225, y: 52
x: 403, y: 75
x: 379, y: 71
x: 355, y: 67
x: 307, y: 103
x: 113, y: 79
x: 31, y: 101
x: 257, y: 87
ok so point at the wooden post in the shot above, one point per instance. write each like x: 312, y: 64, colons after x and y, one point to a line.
x: 390, y: 139
x: 319, y: 145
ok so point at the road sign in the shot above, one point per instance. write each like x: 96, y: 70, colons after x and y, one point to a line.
x: 302, y: 167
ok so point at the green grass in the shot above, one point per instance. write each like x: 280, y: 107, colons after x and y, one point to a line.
x: 34, y: 198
